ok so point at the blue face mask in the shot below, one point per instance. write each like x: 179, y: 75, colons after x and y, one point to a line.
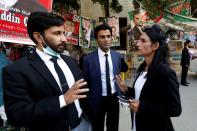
x: 48, y: 50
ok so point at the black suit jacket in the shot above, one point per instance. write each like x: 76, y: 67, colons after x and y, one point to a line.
x: 159, y: 100
x: 185, y: 58
x: 31, y: 94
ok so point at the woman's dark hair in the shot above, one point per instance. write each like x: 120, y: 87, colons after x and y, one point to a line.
x: 187, y: 42
x: 157, y: 35
x: 40, y: 21
x: 101, y: 27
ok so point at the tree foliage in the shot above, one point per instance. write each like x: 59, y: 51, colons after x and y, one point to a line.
x: 114, y: 5
x: 60, y: 5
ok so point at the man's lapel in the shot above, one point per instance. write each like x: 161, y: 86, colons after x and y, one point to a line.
x: 95, y: 61
x: 76, y: 72
x: 115, y: 62
x: 40, y: 66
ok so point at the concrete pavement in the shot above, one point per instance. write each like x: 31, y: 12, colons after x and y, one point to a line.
x: 188, y: 119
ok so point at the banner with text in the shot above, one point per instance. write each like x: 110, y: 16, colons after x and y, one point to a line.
x: 13, y: 18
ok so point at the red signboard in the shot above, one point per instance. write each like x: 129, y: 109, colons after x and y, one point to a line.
x: 13, y: 18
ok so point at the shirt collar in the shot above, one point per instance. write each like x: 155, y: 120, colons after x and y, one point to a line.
x: 102, y: 53
x: 45, y: 57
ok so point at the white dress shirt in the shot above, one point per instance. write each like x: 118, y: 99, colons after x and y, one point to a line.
x: 102, y: 59
x: 67, y: 72
x: 138, y: 88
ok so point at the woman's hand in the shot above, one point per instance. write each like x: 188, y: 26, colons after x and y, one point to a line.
x: 134, y: 105
x: 122, y: 85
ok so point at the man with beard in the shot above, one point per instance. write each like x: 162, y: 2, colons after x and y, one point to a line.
x: 42, y: 90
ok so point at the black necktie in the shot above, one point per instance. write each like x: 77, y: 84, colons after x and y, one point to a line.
x: 108, y: 81
x: 72, y: 113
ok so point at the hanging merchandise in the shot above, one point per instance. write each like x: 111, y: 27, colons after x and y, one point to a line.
x: 173, y: 14
x: 181, y: 7
x: 85, y: 31
x: 113, y: 22
x: 138, y: 18
x: 72, y: 23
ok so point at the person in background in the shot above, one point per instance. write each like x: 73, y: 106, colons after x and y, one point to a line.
x: 26, y: 50
x: 7, y: 47
x: 195, y: 13
x: 155, y: 95
x: 15, y: 53
x: 42, y: 90
x: 124, y: 66
x: 3, y: 62
x: 99, y: 69
x: 185, y: 62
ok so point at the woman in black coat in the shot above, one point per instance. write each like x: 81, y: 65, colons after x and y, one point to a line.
x: 155, y: 90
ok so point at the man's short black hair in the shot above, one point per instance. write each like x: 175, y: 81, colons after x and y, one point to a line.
x: 40, y: 21
x: 101, y: 27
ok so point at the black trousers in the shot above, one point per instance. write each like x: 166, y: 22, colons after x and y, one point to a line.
x: 110, y: 110
x: 184, y: 74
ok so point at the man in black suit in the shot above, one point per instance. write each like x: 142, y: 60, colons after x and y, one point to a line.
x: 185, y: 62
x: 42, y: 90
